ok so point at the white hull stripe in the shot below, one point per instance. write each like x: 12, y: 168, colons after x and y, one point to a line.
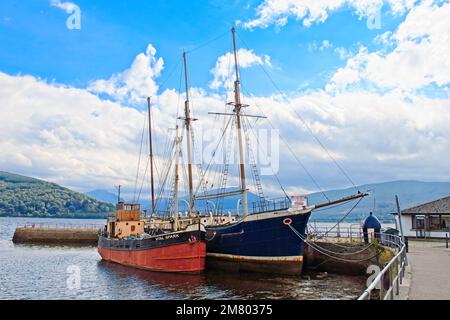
x: 255, y: 259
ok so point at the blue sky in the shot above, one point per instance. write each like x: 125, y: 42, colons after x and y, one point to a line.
x: 72, y: 102
x: 35, y: 40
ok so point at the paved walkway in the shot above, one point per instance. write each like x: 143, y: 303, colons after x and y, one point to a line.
x: 430, y: 267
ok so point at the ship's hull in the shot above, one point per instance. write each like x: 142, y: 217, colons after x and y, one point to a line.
x: 259, y: 243
x: 181, y: 252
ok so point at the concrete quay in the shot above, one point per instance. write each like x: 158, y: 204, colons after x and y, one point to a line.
x: 429, y: 263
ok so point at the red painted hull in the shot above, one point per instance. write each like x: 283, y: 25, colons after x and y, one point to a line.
x: 181, y: 257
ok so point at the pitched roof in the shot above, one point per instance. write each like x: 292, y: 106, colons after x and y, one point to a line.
x: 440, y: 206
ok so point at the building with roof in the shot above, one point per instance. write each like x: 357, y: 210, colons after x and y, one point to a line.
x: 428, y: 220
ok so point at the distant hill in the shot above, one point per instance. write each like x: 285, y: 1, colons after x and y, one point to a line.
x: 22, y: 196
x: 381, y: 200
x: 103, y: 195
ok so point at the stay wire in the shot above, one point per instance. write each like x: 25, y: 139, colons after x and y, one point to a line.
x: 304, y: 122
x: 292, y: 152
x: 207, y: 42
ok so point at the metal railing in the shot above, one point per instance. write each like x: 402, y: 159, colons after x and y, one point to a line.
x: 387, y: 282
x: 353, y: 232
x: 53, y: 225
x: 266, y: 205
x: 393, y: 272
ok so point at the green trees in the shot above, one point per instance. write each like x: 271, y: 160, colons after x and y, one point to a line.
x: 27, y: 197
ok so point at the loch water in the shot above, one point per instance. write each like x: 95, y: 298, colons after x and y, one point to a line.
x: 67, y: 272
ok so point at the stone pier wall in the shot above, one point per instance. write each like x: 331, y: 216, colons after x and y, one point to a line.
x: 40, y: 235
x: 355, y: 260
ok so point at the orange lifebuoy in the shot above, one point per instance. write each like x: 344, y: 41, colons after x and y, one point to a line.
x: 287, y: 221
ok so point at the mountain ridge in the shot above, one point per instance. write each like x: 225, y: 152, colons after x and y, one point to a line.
x: 381, y: 200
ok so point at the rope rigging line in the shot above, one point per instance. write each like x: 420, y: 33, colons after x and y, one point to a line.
x: 168, y: 163
x: 212, y: 157
x: 143, y: 180
x: 136, y: 198
x: 252, y: 163
x: 163, y: 83
x: 304, y: 122
x: 259, y: 145
x: 339, y: 221
x: 166, y: 176
x: 163, y: 193
x: 139, y: 160
x: 208, y: 42
x: 291, y: 151
x: 223, y: 179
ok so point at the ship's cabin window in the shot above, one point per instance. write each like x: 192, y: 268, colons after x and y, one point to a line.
x: 128, y: 206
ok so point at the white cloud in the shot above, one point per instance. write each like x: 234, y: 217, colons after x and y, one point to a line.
x: 223, y: 71
x: 349, y: 74
x: 384, y: 39
x: 65, y: 134
x: 67, y: 6
x: 325, y: 45
x: 79, y: 139
x: 419, y: 56
x: 343, y: 53
x: 134, y: 84
x: 376, y: 136
x: 277, y: 12
x: 322, y: 47
x: 73, y: 137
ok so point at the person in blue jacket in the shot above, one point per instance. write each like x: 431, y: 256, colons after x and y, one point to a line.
x: 371, y: 222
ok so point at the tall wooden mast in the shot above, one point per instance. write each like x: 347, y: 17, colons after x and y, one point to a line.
x: 175, y: 206
x: 237, y: 110
x: 187, y: 121
x: 151, y: 155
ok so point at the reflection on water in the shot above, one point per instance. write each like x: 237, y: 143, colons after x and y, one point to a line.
x: 220, y: 285
x: 41, y: 272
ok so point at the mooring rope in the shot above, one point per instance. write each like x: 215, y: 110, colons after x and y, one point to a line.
x: 327, y: 252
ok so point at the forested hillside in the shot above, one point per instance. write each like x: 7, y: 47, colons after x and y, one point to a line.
x: 22, y: 196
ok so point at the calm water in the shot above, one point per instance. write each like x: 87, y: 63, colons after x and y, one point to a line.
x: 42, y: 272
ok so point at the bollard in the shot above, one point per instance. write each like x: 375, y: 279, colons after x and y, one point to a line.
x: 446, y: 240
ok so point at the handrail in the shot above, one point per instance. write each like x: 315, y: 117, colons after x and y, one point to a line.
x: 400, y: 262
x: 337, y: 232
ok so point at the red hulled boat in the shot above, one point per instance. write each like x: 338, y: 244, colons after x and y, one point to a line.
x: 128, y: 241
